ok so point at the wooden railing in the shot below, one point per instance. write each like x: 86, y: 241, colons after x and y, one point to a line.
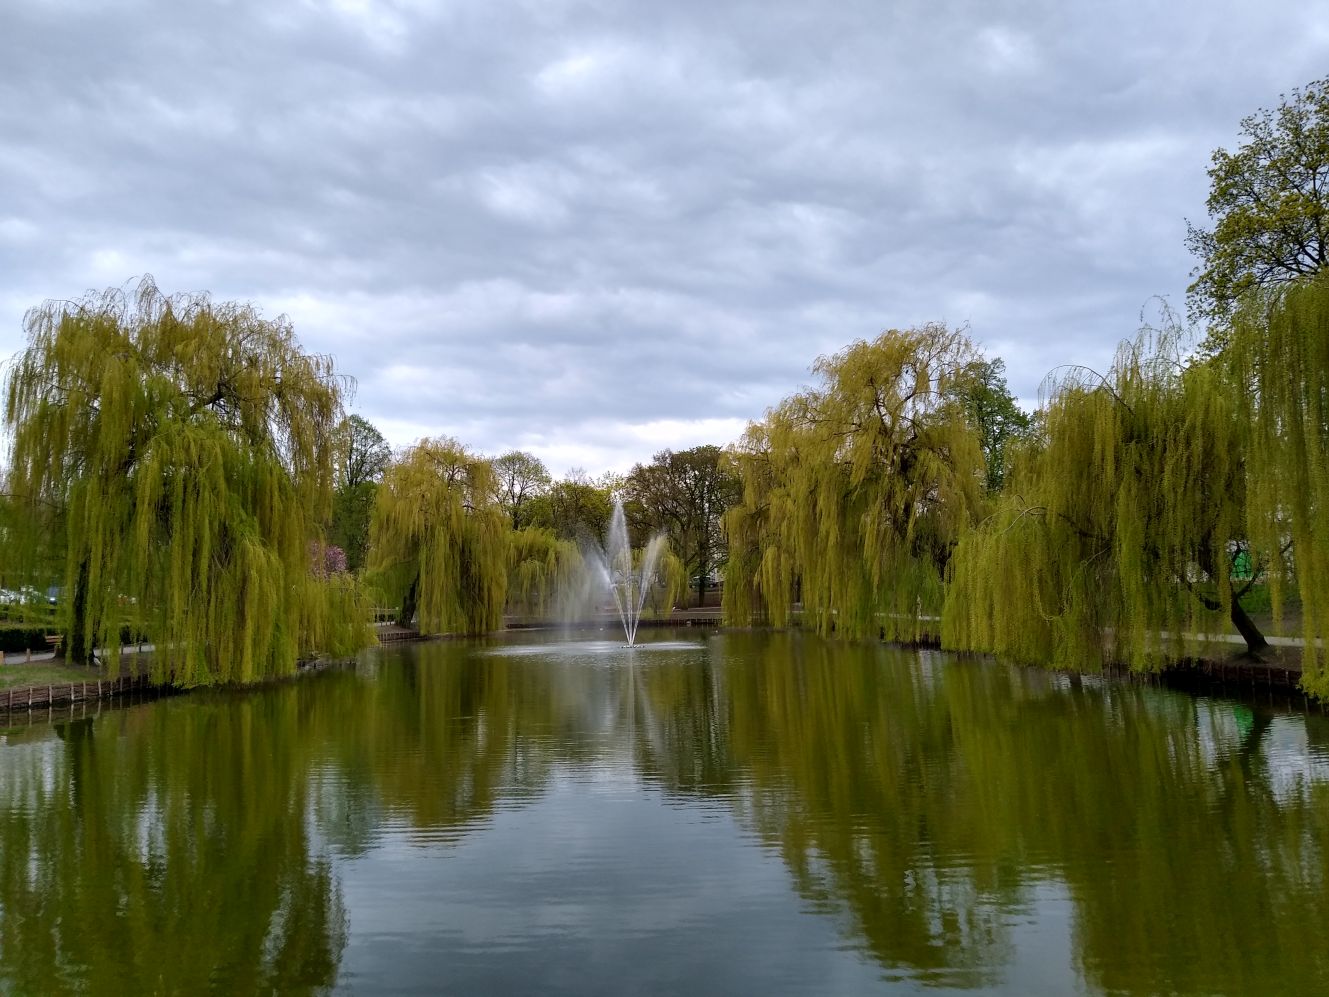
x: 70, y: 692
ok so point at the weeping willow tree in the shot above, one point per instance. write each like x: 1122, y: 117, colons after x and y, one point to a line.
x: 438, y: 540
x: 667, y: 586
x: 854, y: 492
x: 183, y: 449
x: 1278, y: 360
x: 1117, y: 534
x: 547, y: 577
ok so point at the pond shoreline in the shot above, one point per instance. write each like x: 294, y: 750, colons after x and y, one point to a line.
x: 1237, y: 676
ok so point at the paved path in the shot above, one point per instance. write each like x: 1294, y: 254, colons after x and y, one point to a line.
x: 22, y: 657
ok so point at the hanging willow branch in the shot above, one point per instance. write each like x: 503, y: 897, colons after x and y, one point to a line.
x: 186, y: 448
x: 439, y: 541
x: 854, y: 492
x: 1278, y: 359
x: 547, y: 577
x: 1140, y: 476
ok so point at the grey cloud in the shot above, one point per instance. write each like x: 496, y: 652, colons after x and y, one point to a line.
x: 558, y: 221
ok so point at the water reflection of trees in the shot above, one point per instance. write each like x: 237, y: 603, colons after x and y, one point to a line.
x: 923, y: 804
x: 924, y: 807
x: 164, y: 849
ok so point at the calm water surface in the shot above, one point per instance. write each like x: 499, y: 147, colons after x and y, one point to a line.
x: 736, y: 813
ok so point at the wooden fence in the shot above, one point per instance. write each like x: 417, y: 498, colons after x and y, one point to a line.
x: 53, y: 694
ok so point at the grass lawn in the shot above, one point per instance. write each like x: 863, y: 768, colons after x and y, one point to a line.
x: 17, y: 675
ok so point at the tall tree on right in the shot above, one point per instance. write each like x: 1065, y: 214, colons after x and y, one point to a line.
x: 1119, y: 523
x: 1269, y: 204
x: 1278, y: 363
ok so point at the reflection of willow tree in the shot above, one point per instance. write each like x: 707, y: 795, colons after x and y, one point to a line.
x: 435, y: 741
x: 680, y: 727
x: 166, y: 850
x: 907, y: 801
x: 902, y: 800
x: 443, y: 736
x: 866, y: 800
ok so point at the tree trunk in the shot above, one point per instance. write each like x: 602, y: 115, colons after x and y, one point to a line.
x: 408, y: 604
x: 1250, y: 633
x: 76, y: 643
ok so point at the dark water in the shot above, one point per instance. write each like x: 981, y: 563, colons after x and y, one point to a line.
x: 731, y: 814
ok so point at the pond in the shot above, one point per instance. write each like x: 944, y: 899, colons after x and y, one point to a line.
x: 707, y: 813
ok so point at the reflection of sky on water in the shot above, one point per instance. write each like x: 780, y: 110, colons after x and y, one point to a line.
x: 620, y: 875
x: 1291, y: 762
x: 592, y: 648
x: 1288, y: 760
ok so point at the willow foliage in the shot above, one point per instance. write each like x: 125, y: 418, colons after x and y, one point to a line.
x: 671, y: 584
x: 547, y: 577
x: 184, y: 448
x: 439, y: 541
x: 1124, y: 512
x: 667, y: 586
x: 1279, y: 358
x: 854, y: 492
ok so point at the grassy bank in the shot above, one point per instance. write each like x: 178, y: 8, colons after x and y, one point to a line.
x: 21, y: 675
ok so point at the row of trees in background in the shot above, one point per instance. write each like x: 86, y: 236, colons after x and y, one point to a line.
x: 456, y: 539
x: 183, y: 464
x: 508, y: 517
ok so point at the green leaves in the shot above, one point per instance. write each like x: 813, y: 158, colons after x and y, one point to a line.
x: 439, y: 540
x: 184, y: 449
x: 855, y: 491
x: 1279, y: 354
x: 1269, y: 203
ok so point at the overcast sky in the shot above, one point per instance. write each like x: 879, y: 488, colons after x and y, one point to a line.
x: 592, y: 229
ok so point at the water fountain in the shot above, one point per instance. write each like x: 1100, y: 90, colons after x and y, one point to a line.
x: 628, y: 583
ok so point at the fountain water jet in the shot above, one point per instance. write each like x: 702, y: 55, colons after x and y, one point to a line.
x: 628, y: 584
